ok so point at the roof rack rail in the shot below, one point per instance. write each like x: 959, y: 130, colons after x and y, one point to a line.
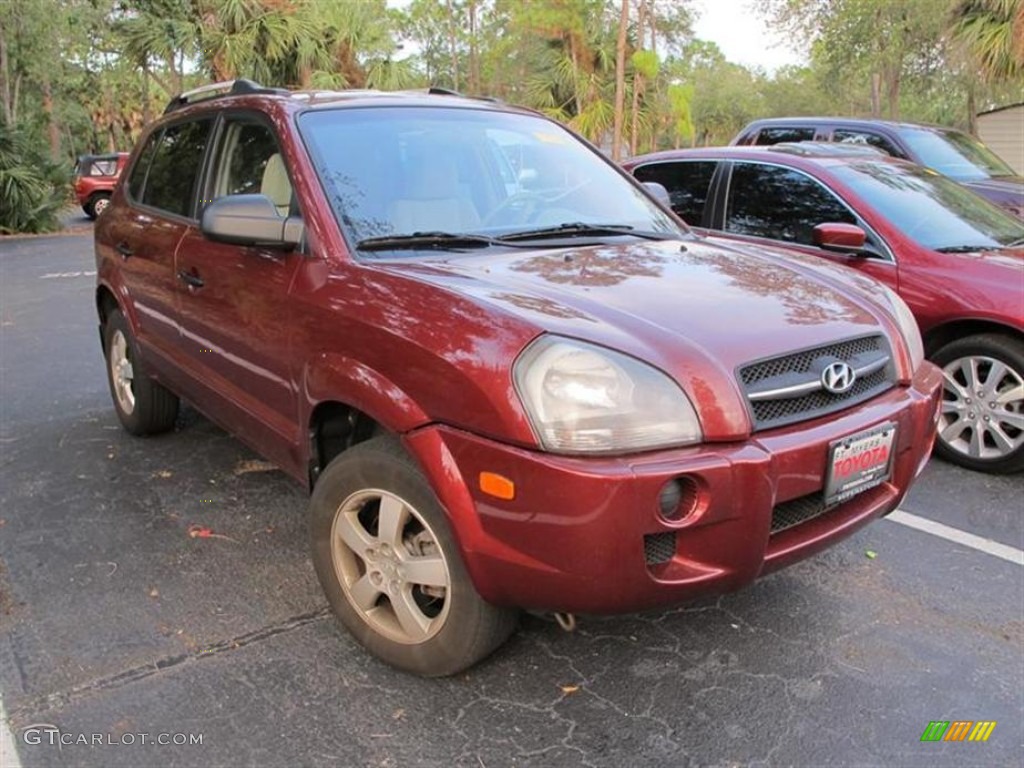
x: 239, y: 87
x: 436, y: 90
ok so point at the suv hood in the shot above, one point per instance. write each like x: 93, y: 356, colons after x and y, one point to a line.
x: 695, y: 309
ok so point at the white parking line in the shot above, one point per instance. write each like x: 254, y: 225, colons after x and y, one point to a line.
x: 994, y: 548
x: 8, y: 753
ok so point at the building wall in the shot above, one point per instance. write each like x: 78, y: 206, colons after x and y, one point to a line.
x: 1003, y: 132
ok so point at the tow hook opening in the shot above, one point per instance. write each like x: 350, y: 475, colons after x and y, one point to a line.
x: 566, y: 621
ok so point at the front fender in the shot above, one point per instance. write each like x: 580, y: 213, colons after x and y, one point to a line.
x: 338, y: 378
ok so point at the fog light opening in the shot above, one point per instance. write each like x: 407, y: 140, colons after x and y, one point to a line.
x: 678, y: 498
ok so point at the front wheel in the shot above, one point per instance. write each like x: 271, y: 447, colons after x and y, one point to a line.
x: 390, y: 566
x: 982, y: 422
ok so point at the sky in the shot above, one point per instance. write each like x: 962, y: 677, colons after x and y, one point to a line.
x: 742, y: 34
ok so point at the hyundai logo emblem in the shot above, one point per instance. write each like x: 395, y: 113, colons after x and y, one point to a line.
x: 838, y: 377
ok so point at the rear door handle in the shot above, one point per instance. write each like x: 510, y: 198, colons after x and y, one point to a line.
x: 190, y: 279
x: 125, y: 250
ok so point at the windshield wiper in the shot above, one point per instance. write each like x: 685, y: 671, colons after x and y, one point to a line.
x: 581, y: 229
x: 967, y: 248
x: 440, y: 241
x: 1015, y: 243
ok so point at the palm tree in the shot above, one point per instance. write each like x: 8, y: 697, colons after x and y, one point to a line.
x: 992, y: 31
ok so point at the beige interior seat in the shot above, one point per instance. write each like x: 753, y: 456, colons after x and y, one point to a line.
x: 275, y: 184
x: 433, y: 199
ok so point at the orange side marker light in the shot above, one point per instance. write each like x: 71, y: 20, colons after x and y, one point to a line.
x: 497, y: 485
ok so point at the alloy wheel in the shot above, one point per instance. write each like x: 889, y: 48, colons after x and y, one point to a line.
x: 983, y: 408
x: 121, y: 372
x: 390, y: 566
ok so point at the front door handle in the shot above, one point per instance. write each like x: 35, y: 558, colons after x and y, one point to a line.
x: 191, y: 279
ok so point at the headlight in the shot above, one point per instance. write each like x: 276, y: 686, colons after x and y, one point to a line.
x: 582, y: 398
x: 908, y: 327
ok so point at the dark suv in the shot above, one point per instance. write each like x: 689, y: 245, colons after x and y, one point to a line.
x: 95, y: 179
x: 950, y: 152
x: 508, y: 376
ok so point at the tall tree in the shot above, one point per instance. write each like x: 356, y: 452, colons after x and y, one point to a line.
x: 620, y: 82
x: 992, y: 31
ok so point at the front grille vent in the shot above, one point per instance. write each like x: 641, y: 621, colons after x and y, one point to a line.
x: 659, y: 548
x: 787, y: 389
x: 799, y: 510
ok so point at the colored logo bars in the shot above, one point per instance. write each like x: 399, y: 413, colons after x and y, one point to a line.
x: 958, y: 730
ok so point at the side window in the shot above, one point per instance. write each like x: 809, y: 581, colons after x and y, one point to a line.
x: 172, y: 176
x: 137, y: 180
x: 778, y: 135
x: 778, y: 203
x: 849, y: 136
x: 687, y: 184
x: 250, y: 163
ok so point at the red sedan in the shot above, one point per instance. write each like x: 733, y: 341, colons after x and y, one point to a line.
x: 956, y: 259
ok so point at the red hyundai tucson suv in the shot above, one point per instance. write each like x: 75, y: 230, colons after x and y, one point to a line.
x: 509, y: 378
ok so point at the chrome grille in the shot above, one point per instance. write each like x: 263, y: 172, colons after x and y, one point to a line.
x: 659, y: 548
x: 786, y: 389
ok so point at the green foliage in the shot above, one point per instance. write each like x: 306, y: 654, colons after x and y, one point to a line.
x: 30, y: 186
x: 992, y: 32
x: 646, y: 63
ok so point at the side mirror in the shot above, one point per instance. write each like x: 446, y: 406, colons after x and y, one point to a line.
x: 835, y: 236
x: 658, y: 192
x: 250, y: 220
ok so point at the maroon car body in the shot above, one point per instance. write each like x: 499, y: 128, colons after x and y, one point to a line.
x: 304, y: 353
x: 958, y: 291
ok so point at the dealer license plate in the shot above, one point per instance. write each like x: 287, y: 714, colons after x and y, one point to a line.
x: 859, y: 462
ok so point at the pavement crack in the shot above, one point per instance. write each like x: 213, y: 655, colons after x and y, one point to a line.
x: 60, y: 699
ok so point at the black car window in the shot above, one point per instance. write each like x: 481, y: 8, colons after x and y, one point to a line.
x: 850, y: 136
x: 687, y: 183
x: 137, y: 179
x: 172, y: 176
x: 779, y: 135
x: 246, y: 150
x: 779, y: 203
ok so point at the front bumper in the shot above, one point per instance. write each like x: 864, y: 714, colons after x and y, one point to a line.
x: 573, y: 538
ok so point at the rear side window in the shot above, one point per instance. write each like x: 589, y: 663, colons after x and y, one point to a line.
x: 171, y: 181
x: 779, y: 203
x: 778, y: 135
x: 847, y: 136
x: 687, y: 184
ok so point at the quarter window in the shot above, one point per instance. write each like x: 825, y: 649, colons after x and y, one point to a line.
x: 779, y: 203
x: 172, y: 175
x: 687, y: 184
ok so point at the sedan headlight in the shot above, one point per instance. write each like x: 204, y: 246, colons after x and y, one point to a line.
x: 908, y: 327
x: 582, y: 398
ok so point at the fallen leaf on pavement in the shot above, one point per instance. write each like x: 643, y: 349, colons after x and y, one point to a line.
x: 870, y: 554
x: 254, y: 465
x: 202, y: 532
x: 569, y: 688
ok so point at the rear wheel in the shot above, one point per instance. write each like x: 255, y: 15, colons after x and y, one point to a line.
x: 982, y: 422
x: 390, y: 566
x: 143, y: 406
x: 96, y: 204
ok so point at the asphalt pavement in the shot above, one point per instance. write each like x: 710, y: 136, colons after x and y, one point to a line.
x: 118, y: 627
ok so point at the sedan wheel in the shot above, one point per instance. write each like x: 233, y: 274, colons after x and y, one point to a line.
x: 982, y: 421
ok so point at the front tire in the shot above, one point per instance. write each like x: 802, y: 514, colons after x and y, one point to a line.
x: 981, y: 426
x: 143, y: 406
x: 390, y: 566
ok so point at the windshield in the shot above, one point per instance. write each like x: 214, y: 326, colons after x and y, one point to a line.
x: 955, y: 154
x: 395, y: 171
x: 929, y: 208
